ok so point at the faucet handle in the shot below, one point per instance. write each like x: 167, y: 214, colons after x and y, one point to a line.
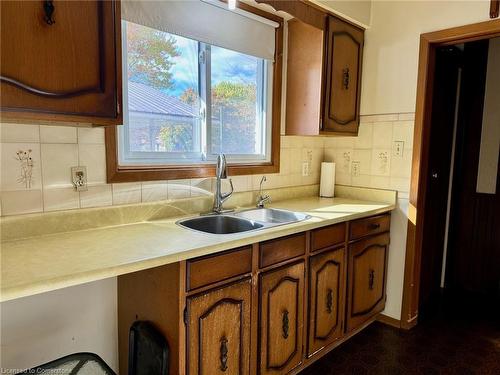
x: 225, y: 196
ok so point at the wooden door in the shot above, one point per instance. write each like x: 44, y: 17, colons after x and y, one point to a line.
x: 281, y: 319
x: 448, y: 61
x: 67, y: 67
x: 218, y: 331
x: 344, y: 55
x: 367, y: 275
x: 326, y: 299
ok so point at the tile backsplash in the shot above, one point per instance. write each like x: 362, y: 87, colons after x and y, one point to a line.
x: 36, y: 162
x: 379, y: 157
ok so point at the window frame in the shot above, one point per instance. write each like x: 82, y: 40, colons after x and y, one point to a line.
x: 131, y: 173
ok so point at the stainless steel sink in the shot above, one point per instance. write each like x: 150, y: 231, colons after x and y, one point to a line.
x: 220, y: 224
x: 243, y: 221
x: 272, y: 215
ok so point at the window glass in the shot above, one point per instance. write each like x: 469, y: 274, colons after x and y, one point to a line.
x: 236, y: 95
x: 183, y: 106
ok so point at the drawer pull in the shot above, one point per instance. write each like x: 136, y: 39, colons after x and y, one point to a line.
x: 285, y: 324
x: 329, y: 301
x: 374, y: 226
x: 49, y: 8
x: 371, y: 279
x: 345, y: 78
x: 223, y: 353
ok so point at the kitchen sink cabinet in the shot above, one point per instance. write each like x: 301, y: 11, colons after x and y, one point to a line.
x: 218, y: 330
x: 326, y: 299
x: 61, y: 61
x: 272, y: 307
x: 281, y: 319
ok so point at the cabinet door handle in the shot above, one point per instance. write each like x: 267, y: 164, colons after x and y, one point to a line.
x: 49, y: 8
x: 371, y: 279
x: 374, y: 226
x: 223, y: 353
x: 329, y: 301
x: 345, y: 78
x: 285, y: 324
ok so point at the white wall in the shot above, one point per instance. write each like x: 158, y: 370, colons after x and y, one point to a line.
x: 391, y: 47
x: 358, y: 11
x: 41, y: 328
x: 490, y: 133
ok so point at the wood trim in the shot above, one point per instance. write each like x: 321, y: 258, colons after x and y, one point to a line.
x: 302, y: 10
x: 494, y: 8
x: 429, y: 42
x: 117, y: 173
x: 396, y: 323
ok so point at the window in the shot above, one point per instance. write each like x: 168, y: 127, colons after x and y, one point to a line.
x: 186, y: 101
x: 198, y: 80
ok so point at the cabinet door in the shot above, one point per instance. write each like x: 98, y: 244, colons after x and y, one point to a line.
x: 326, y: 298
x: 367, y: 274
x: 67, y: 70
x: 218, y: 331
x: 282, y: 317
x: 344, y: 48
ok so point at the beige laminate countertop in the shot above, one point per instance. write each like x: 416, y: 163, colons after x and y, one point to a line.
x: 49, y: 262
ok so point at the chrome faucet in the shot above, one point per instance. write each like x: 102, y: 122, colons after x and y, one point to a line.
x: 220, y: 173
x: 262, y: 199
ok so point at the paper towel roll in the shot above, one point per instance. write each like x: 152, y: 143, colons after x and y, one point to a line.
x: 327, y: 182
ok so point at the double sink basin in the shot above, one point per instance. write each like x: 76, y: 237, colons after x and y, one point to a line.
x: 243, y: 221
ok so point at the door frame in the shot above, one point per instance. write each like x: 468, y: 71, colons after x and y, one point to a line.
x: 429, y: 42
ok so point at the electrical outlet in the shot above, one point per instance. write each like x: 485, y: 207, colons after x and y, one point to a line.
x: 398, y: 148
x: 305, y: 168
x: 355, y: 168
x: 79, y: 178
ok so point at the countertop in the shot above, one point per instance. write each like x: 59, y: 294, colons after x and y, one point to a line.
x: 49, y: 262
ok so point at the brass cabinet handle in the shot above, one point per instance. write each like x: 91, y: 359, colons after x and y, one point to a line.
x: 371, y: 279
x: 345, y: 78
x: 374, y: 226
x: 329, y: 301
x: 223, y: 353
x: 285, y: 325
x: 49, y: 8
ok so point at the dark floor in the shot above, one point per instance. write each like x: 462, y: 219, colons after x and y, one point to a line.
x: 462, y: 338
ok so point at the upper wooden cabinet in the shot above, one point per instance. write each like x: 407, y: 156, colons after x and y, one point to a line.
x: 61, y: 61
x: 343, y: 77
x: 323, y: 78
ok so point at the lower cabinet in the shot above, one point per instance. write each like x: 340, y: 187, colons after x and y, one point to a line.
x: 367, y: 275
x: 281, y: 319
x: 326, y: 299
x: 272, y: 308
x: 218, y: 330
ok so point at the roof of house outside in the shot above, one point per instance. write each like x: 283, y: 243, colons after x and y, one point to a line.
x: 146, y: 99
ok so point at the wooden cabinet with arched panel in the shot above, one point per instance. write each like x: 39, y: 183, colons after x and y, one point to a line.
x: 326, y: 299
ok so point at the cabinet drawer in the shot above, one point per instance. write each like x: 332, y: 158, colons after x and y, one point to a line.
x: 275, y: 251
x: 210, y: 269
x: 327, y: 237
x: 371, y: 225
